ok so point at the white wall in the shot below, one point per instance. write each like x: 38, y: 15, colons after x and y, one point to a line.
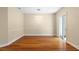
x: 15, y: 23
x: 42, y: 24
x: 72, y: 15
x: 3, y: 25
x: 73, y: 26
x: 11, y: 25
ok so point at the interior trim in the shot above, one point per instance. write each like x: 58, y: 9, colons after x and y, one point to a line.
x: 73, y: 45
x: 8, y: 43
x: 39, y: 35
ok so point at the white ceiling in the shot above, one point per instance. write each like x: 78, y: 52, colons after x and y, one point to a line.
x: 39, y: 10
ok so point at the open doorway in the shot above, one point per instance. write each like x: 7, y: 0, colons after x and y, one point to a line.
x: 62, y: 31
x: 62, y: 27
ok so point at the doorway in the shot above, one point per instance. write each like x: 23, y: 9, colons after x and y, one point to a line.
x: 62, y: 27
x: 62, y: 31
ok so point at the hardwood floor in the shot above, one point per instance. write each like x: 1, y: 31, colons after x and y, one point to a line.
x: 39, y: 43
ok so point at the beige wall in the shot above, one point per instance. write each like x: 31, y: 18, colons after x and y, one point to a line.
x: 11, y: 25
x: 39, y: 24
x: 3, y: 25
x: 72, y: 24
x: 15, y: 23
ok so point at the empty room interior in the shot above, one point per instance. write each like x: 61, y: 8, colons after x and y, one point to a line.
x: 39, y: 29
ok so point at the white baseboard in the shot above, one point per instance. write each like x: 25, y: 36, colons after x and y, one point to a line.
x: 8, y: 43
x: 73, y: 45
x: 39, y: 35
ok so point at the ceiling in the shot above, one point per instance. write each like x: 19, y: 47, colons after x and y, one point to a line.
x: 39, y: 10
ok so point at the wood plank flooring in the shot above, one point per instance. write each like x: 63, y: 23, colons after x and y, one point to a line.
x: 39, y: 43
